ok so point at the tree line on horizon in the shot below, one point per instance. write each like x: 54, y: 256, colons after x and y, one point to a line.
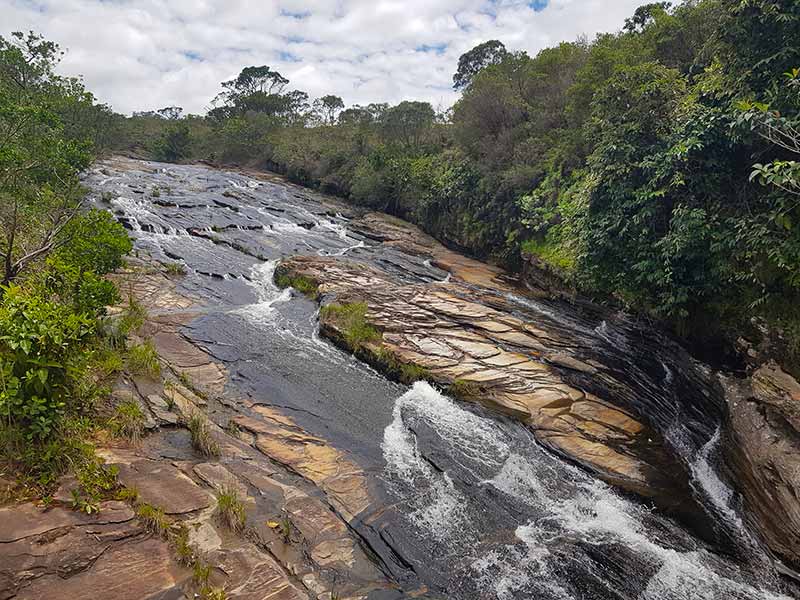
x: 655, y: 167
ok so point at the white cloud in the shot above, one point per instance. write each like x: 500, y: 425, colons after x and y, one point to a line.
x: 142, y: 55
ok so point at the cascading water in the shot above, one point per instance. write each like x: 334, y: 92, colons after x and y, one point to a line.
x: 268, y: 294
x: 564, y: 516
x: 472, y: 507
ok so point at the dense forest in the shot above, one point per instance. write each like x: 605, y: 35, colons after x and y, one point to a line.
x: 655, y: 168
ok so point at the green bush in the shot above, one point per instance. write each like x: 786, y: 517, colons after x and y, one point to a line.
x: 41, y: 362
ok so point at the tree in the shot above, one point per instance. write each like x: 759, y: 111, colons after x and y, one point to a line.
x: 407, y: 122
x: 171, y: 113
x: 472, y: 62
x: 256, y: 89
x: 173, y: 144
x: 356, y: 116
x: 783, y: 132
x: 645, y: 15
x: 252, y: 80
x: 328, y: 108
x: 39, y: 165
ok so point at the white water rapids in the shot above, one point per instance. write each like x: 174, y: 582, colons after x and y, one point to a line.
x: 572, y: 509
x: 475, y: 509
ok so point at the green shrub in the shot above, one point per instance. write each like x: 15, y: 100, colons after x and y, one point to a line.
x: 41, y: 361
x: 351, y: 320
x: 97, y: 482
x: 143, y: 360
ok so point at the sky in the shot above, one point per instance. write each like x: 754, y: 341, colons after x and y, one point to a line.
x: 147, y: 54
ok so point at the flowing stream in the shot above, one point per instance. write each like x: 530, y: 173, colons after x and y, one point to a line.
x: 468, y: 504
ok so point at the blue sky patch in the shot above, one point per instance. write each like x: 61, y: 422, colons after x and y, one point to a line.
x: 435, y: 48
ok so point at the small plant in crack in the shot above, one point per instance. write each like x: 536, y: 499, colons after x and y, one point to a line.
x: 202, y: 440
x: 128, y: 421
x: 153, y: 519
x: 230, y: 509
x: 183, y: 550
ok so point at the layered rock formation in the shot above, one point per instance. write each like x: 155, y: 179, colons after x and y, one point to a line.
x: 61, y: 554
x: 764, y: 451
x: 489, y: 356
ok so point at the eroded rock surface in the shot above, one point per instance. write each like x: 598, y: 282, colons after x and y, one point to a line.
x: 764, y: 451
x: 59, y: 553
x: 490, y: 356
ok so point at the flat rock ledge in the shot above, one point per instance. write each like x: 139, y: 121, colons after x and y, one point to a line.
x: 484, y: 355
x: 60, y: 554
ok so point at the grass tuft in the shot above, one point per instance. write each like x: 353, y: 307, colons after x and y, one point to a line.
x: 143, y: 360
x: 133, y: 317
x: 183, y: 550
x: 230, y: 509
x: 301, y: 283
x: 386, y: 361
x: 201, y: 572
x: 153, y: 519
x: 128, y: 421
x: 464, y: 389
x: 174, y: 269
x: 202, y: 440
x: 351, y: 320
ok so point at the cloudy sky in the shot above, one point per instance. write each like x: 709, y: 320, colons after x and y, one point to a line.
x: 146, y: 54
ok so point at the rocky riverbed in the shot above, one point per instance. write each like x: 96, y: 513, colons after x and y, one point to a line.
x: 482, y: 442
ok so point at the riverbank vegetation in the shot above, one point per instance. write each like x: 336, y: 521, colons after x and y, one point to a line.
x: 655, y: 167
x: 58, y: 349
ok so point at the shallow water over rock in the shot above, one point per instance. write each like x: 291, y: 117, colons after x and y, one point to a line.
x: 465, y: 501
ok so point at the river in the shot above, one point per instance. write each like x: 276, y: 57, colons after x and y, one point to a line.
x: 467, y: 502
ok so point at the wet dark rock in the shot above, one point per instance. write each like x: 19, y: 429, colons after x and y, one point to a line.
x: 229, y: 205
